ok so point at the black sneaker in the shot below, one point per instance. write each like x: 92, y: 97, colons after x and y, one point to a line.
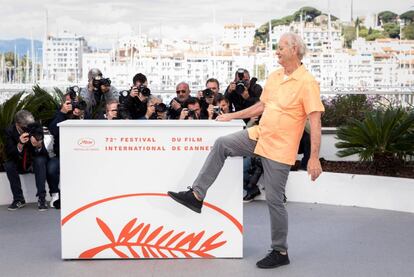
x: 250, y: 196
x: 41, y: 205
x: 187, y: 199
x: 273, y: 259
x: 16, y: 204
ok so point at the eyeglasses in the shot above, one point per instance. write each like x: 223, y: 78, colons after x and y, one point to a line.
x: 181, y: 91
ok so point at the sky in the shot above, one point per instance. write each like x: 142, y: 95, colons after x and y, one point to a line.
x: 102, y: 22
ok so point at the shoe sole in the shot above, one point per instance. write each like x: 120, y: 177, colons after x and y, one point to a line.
x: 273, y: 266
x: 11, y: 209
x: 42, y: 210
x: 194, y: 209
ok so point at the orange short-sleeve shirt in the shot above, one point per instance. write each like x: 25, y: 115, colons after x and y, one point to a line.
x: 287, y: 104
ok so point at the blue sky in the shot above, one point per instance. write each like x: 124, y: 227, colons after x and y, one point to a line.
x: 102, y: 22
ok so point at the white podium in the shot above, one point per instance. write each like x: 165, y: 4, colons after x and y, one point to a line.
x: 114, y: 180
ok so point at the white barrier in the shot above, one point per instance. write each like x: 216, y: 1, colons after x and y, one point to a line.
x: 114, y: 179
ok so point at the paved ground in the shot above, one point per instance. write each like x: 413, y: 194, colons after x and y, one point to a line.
x: 324, y: 241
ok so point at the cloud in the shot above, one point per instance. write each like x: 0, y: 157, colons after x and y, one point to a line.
x: 100, y: 21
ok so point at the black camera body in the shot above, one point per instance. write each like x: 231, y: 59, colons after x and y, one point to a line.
x: 191, y: 114
x: 35, y: 130
x: 99, y: 81
x: 160, y: 108
x: 208, y: 93
x: 241, y: 84
x: 144, y: 90
x: 73, y: 92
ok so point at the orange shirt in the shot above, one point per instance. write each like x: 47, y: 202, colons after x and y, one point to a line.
x: 287, y: 104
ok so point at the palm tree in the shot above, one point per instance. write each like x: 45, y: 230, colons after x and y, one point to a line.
x: 383, y: 137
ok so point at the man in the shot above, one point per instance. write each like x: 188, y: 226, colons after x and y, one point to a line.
x: 136, y: 102
x: 224, y: 104
x: 209, y: 98
x: 25, y: 153
x: 97, y: 92
x: 291, y: 95
x: 176, y: 105
x: 245, y: 97
x: 66, y: 111
x: 152, y: 113
x: 191, y: 109
x: 112, y: 109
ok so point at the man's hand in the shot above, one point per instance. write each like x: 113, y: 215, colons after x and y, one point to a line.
x: 314, y: 168
x: 36, y: 143
x: 245, y: 94
x: 24, y: 138
x: 224, y: 117
x: 134, y: 92
x: 175, y: 105
x: 184, y: 113
x: 210, y: 111
x: 66, y: 107
x: 232, y: 87
x: 199, y: 94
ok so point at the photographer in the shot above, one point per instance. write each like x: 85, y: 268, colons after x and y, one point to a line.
x: 224, y: 104
x: 134, y: 101
x: 26, y: 152
x: 155, y: 109
x: 208, y: 99
x: 72, y: 108
x: 243, y: 92
x: 191, y: 109
x: 176, y: 105
x: 97, y: 93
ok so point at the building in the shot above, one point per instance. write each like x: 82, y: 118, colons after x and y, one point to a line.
x: 62, y: 57
x: 238, y: 36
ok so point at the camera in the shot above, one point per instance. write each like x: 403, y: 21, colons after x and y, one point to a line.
x: 207, y: 93
x: 191, y: 114
x: 35, y: 130
x: 241, y: 84
x: 216, y: 109
x: 99, y: 81
x: 73, y: 92
x: 160, y: 108
x: 144, y: 90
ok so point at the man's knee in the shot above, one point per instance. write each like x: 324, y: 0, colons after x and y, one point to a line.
x: 53, y: 166
x: 39, y: 161
x: 10, y: 166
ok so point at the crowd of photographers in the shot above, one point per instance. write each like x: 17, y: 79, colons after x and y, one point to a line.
x: 100, y: 100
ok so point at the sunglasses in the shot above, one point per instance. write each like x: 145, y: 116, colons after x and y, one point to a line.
x: 181, y: 91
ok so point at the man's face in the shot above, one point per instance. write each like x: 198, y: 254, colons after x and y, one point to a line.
x: 284, y: 52
x: 183, y: 92
x: 105, y: 88
x: 224, y: 106
x: 196, y: 108
x: 112, y: 110
x: 213, y: 87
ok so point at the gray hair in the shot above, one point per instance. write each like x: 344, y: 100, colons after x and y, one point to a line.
x: 183, y: 83
x: 294, y: 39
x: 94, y: 72
x: 23, y: 118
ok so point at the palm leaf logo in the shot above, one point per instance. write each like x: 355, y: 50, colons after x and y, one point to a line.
x: 154, y: 244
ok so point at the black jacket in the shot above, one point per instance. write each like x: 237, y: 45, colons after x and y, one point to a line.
x: 13, y: 154
x: 134, y: 107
